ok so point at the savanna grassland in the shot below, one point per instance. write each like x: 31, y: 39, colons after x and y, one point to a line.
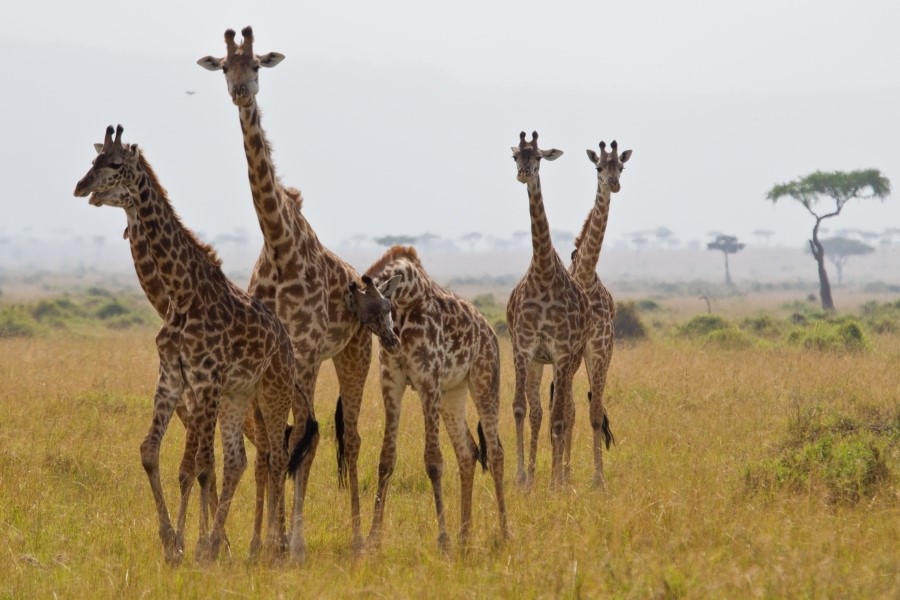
x: 757, y: 455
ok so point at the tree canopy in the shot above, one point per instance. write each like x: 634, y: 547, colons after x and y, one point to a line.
x: 838, y: 185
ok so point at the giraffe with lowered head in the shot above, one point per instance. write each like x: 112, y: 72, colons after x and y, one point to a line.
x: 225, y: 346
x: 444, y: 349
x: 548, y: 316
x: 295, y: 275
x: 599, y: 346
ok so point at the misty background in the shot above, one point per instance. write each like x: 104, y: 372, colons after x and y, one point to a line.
x: 396, y: 119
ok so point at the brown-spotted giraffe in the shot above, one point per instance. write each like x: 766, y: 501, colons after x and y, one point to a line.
x: 599, y: 346
x: 300, y: 279
x: 225, y: 346
x: 445, y: 350
x: 548, y: 316
x: 152, y: 285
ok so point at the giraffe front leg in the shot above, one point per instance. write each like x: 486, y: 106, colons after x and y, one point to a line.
x: 453, y: 411
x: 352, y: 367
x: 254, y: 428
x: 519, y: 410
x: 561, y: 415
x: 598, y: 366
x: 168, y: 391
x: 231, y: 416
x: 533, y: 376
x: 434, y: 461
x: 393, y: 383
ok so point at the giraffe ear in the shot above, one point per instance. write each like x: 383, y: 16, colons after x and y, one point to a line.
x: 625, y: 156
x: 135, y: 151
x: 211, y: 63
x: 98, y: 148
x: 271, y: 59
x: 593, y: 156
x: 388, y: 288
x: 551, y: 154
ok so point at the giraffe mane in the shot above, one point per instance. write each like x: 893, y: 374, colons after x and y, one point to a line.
x: 192, y: 238
x: 293, y: 193
x: 584, y: 228
x: 393, y: 254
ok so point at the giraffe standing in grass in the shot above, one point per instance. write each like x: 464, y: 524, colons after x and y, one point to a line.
x: 296, y: 276
x: 152, y: 285
x: 225, y: 346
x: 599, y: 347
x: 444, y: 349
x: 548, y: 316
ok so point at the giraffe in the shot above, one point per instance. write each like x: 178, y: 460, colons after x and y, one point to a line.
x: 548, y: 314
x: 444, y: 348
x: 297, y: 276
x: 219, y: 342
x: 599, y: 347
x: 152, y: 285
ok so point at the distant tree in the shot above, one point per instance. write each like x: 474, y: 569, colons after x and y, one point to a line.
x: 764, y: 234
x: 726, y: 244
x: 391, y: 240
x: 839, y: 249
x: 639, y: 239
x: 840, y: 187
x: 665, y: 236
x: 472, y: 238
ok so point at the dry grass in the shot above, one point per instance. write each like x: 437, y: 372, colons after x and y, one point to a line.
x: 77, y: 520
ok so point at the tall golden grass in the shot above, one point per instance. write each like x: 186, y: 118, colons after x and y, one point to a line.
x: 677, y: 519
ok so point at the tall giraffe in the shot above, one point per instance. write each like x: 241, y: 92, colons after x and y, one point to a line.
x: 548, y: 316
x: 296, y: 276
x: 445, y: 349
x: 599, y: 346
x: 217, y: 341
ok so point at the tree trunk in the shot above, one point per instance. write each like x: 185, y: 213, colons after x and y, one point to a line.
x: 819, y: 254
x: 727, y: 272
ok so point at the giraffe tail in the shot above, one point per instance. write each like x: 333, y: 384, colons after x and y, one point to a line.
x: 482, y: 448
x: 304, y: 446
x: 288, y: 430
x: 608, y: 436
x: 341, y: 448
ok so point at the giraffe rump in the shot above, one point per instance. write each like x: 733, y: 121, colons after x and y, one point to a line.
x: 394, y: 253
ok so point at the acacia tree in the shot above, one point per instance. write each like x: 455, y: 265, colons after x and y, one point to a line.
x: 839, y: 186
x: 839, y: 249
x: 727, y: 244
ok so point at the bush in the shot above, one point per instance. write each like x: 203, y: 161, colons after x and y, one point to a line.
x: 16, y: 323
x: 845, y: 457
x: 703, y: 325
x: 847, y: 335
x: 111, y: 309
x: 763, y: 326
x: 627, y: 322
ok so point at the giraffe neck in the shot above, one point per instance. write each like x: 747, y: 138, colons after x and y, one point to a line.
x: 591, y: 239
x: 144, y: 265
x: 542, y: 247
x: 275, y: 213
x: 181, y: 261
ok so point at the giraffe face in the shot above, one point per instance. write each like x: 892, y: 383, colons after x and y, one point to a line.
x: 372, y: 307
x: 114, y: 167
x: 609, y: 165
x: 527, y: 157
x: 241, y: 66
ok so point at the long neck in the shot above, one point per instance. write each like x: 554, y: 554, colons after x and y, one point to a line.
x: 542, y: 247
x: 275, y: 213
x: 180, y: 261
x: 591, y: 239
x: 144, y: 265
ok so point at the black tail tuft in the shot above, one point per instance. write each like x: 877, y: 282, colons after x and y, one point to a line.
x: 341, y: 449
x: 482, y: 448
x: 551, y: 394
x: 288, y: 430
x: 608, y: 436
x: 590, y: 396
x: 303, y: 446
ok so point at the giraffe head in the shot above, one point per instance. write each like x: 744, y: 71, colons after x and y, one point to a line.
x: 114, y: 167
x: 241, y: 66
x: 372, y: 307
x: 609, y: 165
x: 118, y: 196
x: 528, y: 157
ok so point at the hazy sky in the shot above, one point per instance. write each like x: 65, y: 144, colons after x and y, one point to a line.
x: 397, y: 116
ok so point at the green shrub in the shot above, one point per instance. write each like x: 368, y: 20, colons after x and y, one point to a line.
x: 16, y: 323
x: 764, y: 326
x: 703, y: 325
x: 111, y: 309
x: 627, y: 322
x: 846, y: 335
